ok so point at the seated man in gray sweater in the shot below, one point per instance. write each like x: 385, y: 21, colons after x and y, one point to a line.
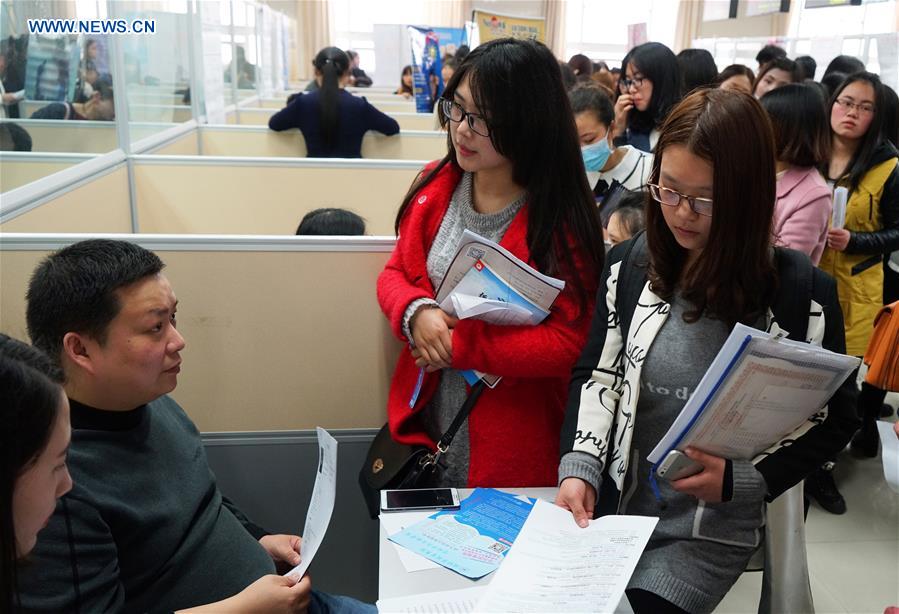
x: 145, y: 528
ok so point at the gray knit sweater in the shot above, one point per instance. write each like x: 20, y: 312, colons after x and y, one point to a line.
x: 452, y: 391
x: 145, y: 528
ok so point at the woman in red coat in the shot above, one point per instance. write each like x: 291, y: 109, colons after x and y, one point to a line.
x: 513, y: 174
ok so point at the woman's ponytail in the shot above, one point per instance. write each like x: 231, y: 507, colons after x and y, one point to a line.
x: 332, y: 63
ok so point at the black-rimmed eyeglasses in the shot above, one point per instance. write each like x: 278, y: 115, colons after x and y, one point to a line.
x: 455, y: 113
x: 625, y: 84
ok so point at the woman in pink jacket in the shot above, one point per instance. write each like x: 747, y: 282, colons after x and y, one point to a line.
x: 804, y: 200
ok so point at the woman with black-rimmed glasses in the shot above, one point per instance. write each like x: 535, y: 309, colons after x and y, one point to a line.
x: 864, y: 162
x: 667, y: 302
x: 649, y: 86
x: 514, y: 174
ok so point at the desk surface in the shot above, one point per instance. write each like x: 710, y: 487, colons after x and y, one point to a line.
x: 395, y: 581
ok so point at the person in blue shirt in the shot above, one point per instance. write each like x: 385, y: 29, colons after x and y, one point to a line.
x: 332, y: 120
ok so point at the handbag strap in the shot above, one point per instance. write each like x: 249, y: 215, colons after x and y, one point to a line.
x: 467, y: 406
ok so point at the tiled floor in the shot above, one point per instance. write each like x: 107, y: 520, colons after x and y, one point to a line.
x: 854, y: 558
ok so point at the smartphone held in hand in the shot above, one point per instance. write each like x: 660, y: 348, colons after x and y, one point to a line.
x: 677, y: 465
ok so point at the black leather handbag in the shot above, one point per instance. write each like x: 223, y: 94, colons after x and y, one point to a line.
x: 390, y: 465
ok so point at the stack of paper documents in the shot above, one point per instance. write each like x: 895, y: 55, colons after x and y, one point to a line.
x: 474, y: 540
x: 485, y: 281
x: 757, y: 390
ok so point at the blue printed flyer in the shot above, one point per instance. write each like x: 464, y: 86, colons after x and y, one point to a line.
x: 474, y: 540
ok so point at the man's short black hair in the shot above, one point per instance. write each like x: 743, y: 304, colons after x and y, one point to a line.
x: 74, y: 290
x: 770, y: 52
x: 331, y: 222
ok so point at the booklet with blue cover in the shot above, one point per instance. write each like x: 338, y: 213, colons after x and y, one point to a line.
x: 473, y: 540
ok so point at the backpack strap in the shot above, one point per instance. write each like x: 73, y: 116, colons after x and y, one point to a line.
x: 794, y: 294
x: 631, y: 279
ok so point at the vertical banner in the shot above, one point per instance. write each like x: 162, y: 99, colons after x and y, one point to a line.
x: 493, y: 25
x: 426, y: 64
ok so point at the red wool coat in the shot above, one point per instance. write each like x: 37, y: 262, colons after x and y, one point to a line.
x: 513, y: 428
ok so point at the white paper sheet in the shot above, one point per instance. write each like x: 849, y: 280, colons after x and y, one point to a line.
x: 556, y: 566
x: 393, y: 523
x: 840, y: 199
x: 321, y: 506
x: 460, y: 601
x: 889, y: 444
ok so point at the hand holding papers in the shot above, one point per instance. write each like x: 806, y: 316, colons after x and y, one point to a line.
x: 485, y: 281
x: 321, y: 506
x: 757, y: 390
x: 556, y: 566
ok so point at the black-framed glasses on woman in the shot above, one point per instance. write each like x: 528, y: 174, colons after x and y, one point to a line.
x: 673, y: 198
x: 625, y: 84
x: 455, y: 113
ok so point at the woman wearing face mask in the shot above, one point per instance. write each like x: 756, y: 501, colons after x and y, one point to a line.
x: 682, y: 289
x: 594, y: 116
x: 865, y: 163
x: 649, y: 85
x: 505, y: 96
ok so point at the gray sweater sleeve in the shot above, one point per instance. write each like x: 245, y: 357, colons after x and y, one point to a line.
x: 581, y: 465
x: 64, y: 576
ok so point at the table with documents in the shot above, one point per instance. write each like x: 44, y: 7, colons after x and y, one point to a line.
x: 395, y: 582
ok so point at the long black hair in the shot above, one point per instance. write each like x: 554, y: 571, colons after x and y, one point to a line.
x: 30, y: 386
x: 332, y: 63
x: 863, y: 158
x: 657, y: 63
x: 517, y: 86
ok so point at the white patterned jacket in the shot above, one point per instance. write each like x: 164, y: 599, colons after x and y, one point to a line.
x: 605, y: 383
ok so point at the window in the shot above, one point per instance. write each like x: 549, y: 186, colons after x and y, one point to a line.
x: 353, y: 22
x: 599, y: 28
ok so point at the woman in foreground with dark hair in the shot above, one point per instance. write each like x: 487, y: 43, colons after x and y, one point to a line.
x: 650, y: 84
x: 33, y: 445
x: 505, y: 97
x: 671, y: 305
x: 332, y: 120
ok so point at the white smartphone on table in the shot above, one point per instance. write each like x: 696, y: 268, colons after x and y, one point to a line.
x: 677, y: 465
x: 419, y: 499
